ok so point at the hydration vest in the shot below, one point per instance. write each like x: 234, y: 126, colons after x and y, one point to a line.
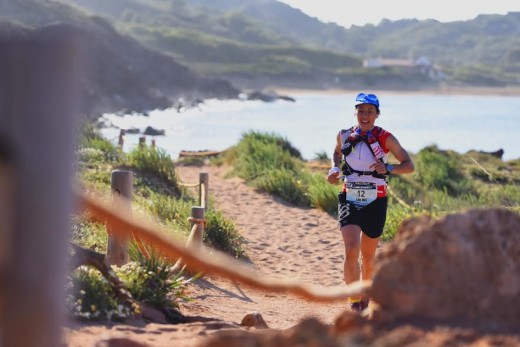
x: 375, y: 139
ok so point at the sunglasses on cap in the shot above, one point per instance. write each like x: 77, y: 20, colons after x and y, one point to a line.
x: 363, y: 98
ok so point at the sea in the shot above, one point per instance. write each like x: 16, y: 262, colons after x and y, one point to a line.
x: 311, y: 123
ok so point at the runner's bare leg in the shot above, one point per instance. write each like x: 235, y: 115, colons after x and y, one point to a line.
x: 368, y: 254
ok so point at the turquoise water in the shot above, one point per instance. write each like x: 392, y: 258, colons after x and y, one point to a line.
x: 455, y: 122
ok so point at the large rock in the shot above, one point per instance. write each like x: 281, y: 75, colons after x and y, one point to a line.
x: 463, y: 267
x: 309, y: 332
x: 460, y: 269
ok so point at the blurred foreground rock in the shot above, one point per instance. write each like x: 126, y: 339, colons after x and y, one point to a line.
x: 463, y: 267
x: 461, y: 272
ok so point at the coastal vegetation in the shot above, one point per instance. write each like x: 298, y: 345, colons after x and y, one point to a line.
x: 444, y: 181
x: 157, y: 193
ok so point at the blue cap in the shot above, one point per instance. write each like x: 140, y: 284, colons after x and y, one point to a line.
x: 363, y: 98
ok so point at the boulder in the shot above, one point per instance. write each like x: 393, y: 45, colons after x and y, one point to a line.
x: 153, y: 132
x: 498, y: 153
x: 309, y: 332
x: 254, y: 320
x: 463, y: 267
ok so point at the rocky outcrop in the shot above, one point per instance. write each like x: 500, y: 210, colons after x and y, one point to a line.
x: 461, y: 271
x: 463, y: 267
x: 265, y: 96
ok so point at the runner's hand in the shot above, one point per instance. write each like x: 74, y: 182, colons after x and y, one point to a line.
x: 333, y: 175
x: 379, y: 167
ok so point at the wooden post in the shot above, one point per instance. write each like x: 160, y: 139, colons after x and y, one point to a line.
x: 197, y: 229
x: 153, y: 143
x: 195, y: 240
x: 121, y: 140
x: 204, y: 190
x: 142, y: 141
x: 39, y: 92
x: 121, y: 184
x: 7, y: 214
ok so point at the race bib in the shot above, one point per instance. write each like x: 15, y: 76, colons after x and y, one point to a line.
x: 361, y: 193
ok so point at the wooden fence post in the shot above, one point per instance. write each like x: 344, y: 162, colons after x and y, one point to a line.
x: 153, y: 143
x: 195, y: 240
x: 39, y: 92
x: 142, y: 141
x: 121, y: 184
x: 121, y: 140
x: 204, y: 190
x: 197, y: 228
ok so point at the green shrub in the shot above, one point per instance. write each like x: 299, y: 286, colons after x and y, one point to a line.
x: 85, y: 132
x: 285, y: 184
x: 221, y: 233
x: 322, y: 194
x: 89, y: 296
x: 436, y: 170
x: 256, y: 158
x: 92, y: 146
x: 282, y: 143
x: 169, y: 210
x: 271, y: 164
x: 191, y: 161
x: 151, y: 282
x: 397, y: 213
x: 89, y: 233
x: 90, y: 155
x: 153, y: 160
x: 98, y: 178
x: 321, y: 156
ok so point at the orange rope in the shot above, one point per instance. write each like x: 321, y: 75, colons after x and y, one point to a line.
x: 217, y: 263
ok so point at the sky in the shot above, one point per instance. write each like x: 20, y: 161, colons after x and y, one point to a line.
x: 348, y: 13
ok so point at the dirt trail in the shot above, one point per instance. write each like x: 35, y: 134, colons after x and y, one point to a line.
x: 281, y: 241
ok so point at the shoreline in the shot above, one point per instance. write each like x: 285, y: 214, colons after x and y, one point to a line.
x: 445, y: 90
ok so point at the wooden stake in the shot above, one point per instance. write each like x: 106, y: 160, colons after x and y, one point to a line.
x: 204, y: 190
x: 39, y: 92
x: 121, y: 184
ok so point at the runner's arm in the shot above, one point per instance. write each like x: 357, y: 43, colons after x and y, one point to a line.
x: 333, y: 177
x: 405, y: 161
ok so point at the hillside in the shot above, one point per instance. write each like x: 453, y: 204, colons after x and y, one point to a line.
x: 150, y: 54
x: 245, y: 39
x: 120, y: 73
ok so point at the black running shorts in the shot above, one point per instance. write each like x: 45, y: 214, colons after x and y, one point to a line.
x: 371, y: 218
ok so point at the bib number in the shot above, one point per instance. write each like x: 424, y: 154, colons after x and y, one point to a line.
x: 361, y: 193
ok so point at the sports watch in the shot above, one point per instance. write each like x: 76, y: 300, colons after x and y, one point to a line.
x: 389, y: 168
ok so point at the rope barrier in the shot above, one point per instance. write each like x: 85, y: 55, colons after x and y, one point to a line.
x: 217, y: 263
x: 189, y: 185
x: 198, y: 220
x: 398, y: 199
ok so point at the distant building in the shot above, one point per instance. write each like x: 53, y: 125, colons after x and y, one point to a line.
x: 421, y: 64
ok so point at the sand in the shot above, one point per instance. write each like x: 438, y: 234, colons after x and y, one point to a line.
x: 279, y: 239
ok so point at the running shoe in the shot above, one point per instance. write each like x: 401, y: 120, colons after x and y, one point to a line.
x: 358, y: 305
x: 355, y: 304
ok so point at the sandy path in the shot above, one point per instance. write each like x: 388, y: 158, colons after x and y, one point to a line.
x: 283, y: 241
x: 280, y: 240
